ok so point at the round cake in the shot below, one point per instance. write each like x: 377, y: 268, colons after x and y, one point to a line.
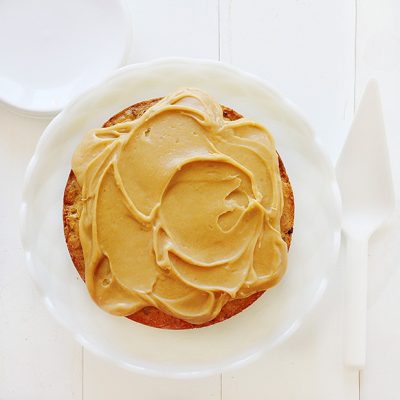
x: 195, y: 232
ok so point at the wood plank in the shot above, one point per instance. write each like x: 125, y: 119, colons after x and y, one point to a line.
x: 378, y: 56
x: 380, y: 378
x: 39, y: 358
x: 305, y: 49
x: 160, y: 29
x: 307, y: 366
x: 104, y: 381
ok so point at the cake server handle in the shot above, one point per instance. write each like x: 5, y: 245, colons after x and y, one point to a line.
x: 356, y: 278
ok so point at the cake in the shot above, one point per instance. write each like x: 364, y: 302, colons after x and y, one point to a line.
x: 178, y: 213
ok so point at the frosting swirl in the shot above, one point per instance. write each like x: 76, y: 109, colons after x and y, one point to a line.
x: 181, y: 210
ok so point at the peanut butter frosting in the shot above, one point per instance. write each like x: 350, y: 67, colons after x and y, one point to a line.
x: 181, y: 210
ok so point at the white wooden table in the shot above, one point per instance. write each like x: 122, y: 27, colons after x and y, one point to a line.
x: 319, y: 53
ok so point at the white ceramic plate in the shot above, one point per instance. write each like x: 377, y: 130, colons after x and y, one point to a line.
x: 52, y: 50
x: 270, y: 319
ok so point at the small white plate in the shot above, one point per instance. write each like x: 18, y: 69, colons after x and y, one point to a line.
x: 52, y: 50
x: 203, y: 351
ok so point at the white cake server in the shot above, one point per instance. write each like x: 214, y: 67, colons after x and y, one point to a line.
x: 365, y: 181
